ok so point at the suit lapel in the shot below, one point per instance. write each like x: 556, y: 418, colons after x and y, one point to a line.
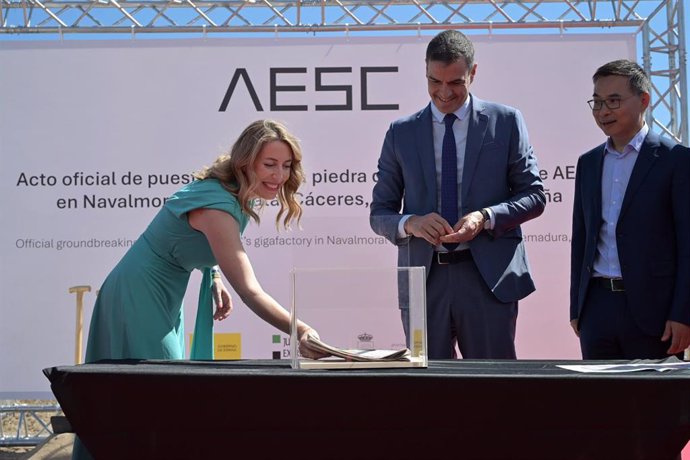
x: 476, y: 129
x: 425, y: 150
x: 645, y: 160
x: 597, y: 170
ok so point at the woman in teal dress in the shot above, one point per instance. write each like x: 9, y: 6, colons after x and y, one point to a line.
x: 138, y: 312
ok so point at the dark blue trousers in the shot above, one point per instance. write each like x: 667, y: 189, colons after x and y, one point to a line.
x: 608, y: 330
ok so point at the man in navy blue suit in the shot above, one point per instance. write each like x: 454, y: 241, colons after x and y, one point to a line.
x: 455, y: 181
x: 630, y: 260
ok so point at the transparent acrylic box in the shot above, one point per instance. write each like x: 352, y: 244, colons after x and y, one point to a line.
x: 360, y: 309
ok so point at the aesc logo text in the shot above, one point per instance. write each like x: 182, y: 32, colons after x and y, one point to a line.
x: 313, y: 79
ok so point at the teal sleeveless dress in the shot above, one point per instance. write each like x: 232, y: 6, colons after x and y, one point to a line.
x: 138, y: 313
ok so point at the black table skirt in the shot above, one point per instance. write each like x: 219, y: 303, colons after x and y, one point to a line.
x: 453, y: 409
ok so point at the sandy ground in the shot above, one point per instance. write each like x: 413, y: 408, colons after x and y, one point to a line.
x: 54, y: 447
x: 57, y: 447
x: 14, y: 453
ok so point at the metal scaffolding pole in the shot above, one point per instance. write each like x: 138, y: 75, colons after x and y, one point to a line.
x: 659, y: 23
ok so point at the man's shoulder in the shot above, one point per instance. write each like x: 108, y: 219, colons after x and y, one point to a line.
x: 492, y: 107
x: 664, y: 147
x: 671, y: 145
x: 413, y: 118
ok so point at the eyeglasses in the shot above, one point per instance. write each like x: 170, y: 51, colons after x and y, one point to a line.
x: 611, y: 103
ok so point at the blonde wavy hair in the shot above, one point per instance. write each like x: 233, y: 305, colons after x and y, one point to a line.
x: 235, y: 170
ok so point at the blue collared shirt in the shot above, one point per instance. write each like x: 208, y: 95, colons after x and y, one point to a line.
x: 615, y: 176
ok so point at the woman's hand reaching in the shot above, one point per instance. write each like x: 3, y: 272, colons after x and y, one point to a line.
x: 221, y: 299
x: 305, y: 350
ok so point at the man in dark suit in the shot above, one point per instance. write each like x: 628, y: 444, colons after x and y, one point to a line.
x: 630, y: 260
x: 460, y: 171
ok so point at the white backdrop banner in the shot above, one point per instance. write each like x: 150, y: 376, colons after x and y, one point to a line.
x: 95, y: 135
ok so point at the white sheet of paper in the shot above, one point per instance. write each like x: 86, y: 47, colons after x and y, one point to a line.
x: 628, y: 367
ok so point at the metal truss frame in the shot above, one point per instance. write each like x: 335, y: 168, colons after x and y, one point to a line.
x: 659, y: 24
x: 32, y: 423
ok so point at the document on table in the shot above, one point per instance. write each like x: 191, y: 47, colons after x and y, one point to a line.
x: 359, y: 355
x: 659, y: 365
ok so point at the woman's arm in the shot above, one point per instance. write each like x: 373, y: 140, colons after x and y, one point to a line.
x: 223, y: 234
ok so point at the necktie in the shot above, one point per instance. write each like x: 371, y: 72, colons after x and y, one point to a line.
x: 449, y: 176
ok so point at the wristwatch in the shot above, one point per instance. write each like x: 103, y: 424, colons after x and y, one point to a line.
x: 486, y: 216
